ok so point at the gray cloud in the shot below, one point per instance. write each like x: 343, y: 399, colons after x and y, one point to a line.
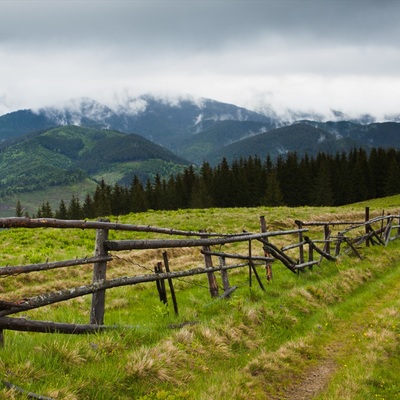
x: 238, y: 51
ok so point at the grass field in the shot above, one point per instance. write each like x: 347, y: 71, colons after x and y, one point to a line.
x: 332, y: 332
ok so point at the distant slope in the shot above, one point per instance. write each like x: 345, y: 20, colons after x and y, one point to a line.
x: 66, y: 155
x: 162, y: 121
x: 218, y: 136
x: 302, y: 138
x: 384, y: 134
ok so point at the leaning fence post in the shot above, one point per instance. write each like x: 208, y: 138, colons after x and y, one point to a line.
x: 170, y: 283
x: 212, y: 281
x: 99, y: 274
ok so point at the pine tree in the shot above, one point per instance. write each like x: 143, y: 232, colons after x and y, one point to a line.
x: 18, y: 209
x: 137, y: 196
x: 62, y: 213
x: 88, y: 207
x: 74, y: 209
x: 392, y: 183
x: 273, y: 196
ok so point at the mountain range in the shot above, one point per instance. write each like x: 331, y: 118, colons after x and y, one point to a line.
x: 84, y: 139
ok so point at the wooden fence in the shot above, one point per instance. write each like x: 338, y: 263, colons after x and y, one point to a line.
x: 376, y: 231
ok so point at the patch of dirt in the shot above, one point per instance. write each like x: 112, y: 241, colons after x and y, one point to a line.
x: 313, y: 382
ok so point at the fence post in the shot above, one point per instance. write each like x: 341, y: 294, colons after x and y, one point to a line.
x: 268, y: 266
x: 170, y: 283
x: 1, y: 338
x: 367, y: 229
x: 99, y: 274
x: 212, y: 282
x: 327, y: 237
x: 301, y: 247
x: 311, y: 254
x: 224, y: 275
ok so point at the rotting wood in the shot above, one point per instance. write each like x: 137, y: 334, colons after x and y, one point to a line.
x: 15, y: 270
x: 67, y: 294
x: 327, y: 235
x: 27, y: 325
x: 224, y: 274
x: 301, y: 248
x: 99, y: 274
x: 238, y: 256
x: 29, y: 395
x: 119, y: 245
x: 212, y: 281
x: 305, y: 264
x: 279, y: 255
x: 22, y: 222
x: 228, y: 292
x: 318, y: 250
x: 161, y: 284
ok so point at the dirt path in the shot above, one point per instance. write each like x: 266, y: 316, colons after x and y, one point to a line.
x: 314, y: 382
x: 316, y: 379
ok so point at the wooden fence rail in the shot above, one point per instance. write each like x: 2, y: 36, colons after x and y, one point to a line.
x: 203, y: 240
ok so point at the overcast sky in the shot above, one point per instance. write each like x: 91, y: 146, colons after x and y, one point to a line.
x: 307, y: 55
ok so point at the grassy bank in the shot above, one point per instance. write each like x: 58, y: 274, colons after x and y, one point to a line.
x: 307, y: 333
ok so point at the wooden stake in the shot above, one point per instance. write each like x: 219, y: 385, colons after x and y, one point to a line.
x: 268, y: 266
x: 99, y: 274
x: 224, y: 275
x: 212, y: 282
x: 170, y: 283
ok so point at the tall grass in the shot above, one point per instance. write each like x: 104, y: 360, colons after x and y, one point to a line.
x: 253, y: 345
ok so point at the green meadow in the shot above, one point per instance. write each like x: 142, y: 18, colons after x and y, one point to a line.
x: 332, y: 332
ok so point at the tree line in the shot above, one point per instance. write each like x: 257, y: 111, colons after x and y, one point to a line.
x: 323, y: 180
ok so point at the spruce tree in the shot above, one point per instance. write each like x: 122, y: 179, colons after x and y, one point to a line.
x: 18, y: 209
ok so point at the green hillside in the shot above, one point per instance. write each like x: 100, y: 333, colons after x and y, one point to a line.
x: 220, y: 134
x: 68, y: 155
x: 301, y: 138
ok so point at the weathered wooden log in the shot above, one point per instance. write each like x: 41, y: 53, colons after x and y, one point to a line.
x: 301, y: 248
x: 318, y: 250
x: 67, y: 294
x: 27, y: 325
x: 161, y: 284
x: 306, y: 264
x: 228, y: 292
x: 224, y: 274
x: 352, y: 248
x: 238, y: 256
x: 293, y: 246
x: 280, y: 255
x: 26, y: 393
x: 212, y: 281
x: 7, y: 305
x: 119, y: 245
x: 22, y: 222
x: 97, y: 309
x: 15, y: 270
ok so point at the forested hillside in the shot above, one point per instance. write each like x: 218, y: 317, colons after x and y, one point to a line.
x: 67, y: 155
x: 325, y: 180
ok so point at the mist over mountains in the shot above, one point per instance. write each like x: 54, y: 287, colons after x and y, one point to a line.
x: 207, y: 130
x: 147, y: 135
